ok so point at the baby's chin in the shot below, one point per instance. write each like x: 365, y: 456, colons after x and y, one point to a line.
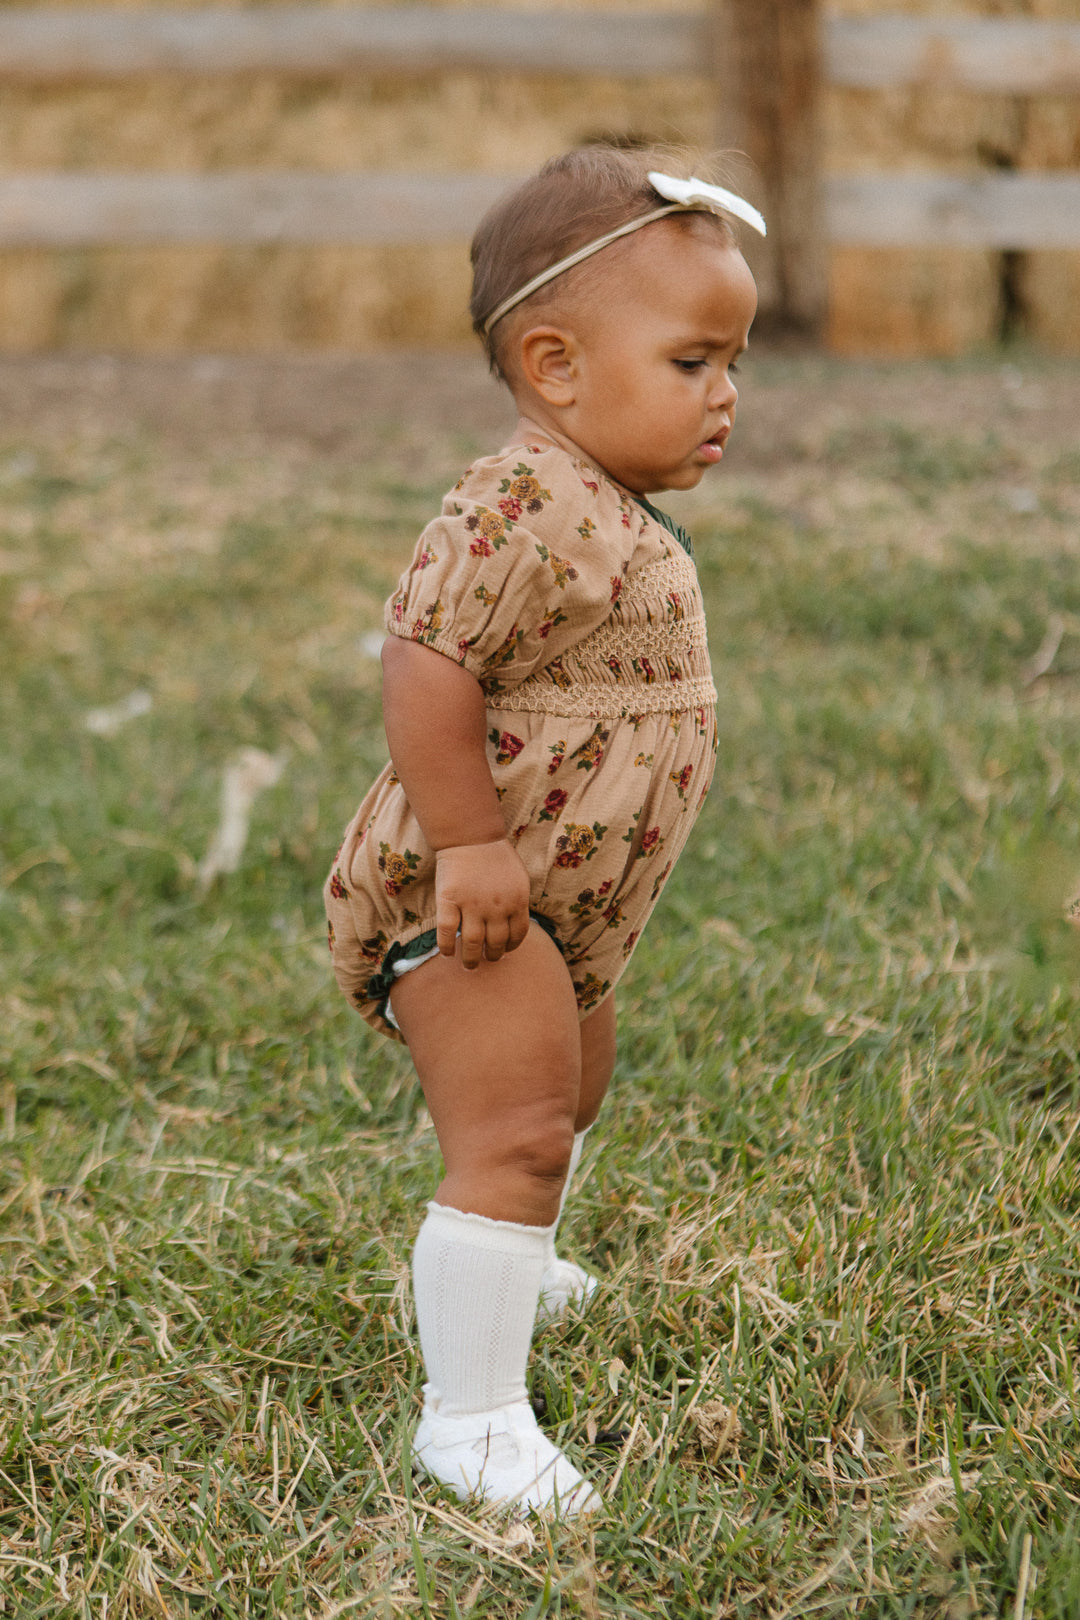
x: 684, y: 478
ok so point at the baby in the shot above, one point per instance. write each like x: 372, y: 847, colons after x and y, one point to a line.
x: 549, y: 711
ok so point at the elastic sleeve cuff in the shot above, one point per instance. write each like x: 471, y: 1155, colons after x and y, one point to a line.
x: 464, y: 657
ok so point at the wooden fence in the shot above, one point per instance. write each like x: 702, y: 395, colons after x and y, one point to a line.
x: 769, y: 60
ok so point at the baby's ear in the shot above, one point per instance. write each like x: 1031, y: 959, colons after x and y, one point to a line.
x: 547, y: 360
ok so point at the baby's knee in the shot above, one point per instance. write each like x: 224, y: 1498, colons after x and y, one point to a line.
x: 539, y: 1146
x: 523, y: 1164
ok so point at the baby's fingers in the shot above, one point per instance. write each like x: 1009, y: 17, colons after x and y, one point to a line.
x: 497, y: 938
x: 472, y: 940
x: 518, y: 929
x: 447, y: 923
x: 482, y: 892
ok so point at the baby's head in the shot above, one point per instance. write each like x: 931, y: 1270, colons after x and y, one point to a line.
x: 626, y: 354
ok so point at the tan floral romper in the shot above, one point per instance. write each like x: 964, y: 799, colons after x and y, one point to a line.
x: 578, y: 610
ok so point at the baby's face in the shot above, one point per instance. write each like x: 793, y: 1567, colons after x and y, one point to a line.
x: 654, y: 399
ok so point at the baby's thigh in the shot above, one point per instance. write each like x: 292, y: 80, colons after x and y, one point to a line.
x: 497, y: 1048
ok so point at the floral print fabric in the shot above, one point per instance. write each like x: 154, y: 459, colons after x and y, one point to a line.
x: 581, y: 617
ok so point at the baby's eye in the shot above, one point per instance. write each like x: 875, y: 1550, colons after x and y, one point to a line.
x: 733, y: 369
x: 690, y: 365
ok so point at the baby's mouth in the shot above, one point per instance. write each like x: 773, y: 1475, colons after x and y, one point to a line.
x: 711, y: 449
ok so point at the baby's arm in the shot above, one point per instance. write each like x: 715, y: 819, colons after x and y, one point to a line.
x: 436, y: 725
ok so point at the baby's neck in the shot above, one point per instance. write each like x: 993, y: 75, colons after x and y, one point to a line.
x: 528, y: 430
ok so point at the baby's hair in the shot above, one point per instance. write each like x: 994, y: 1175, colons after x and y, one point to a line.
x: 571, y: 201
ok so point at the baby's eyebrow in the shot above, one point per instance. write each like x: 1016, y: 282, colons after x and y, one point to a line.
x: 698, y: 342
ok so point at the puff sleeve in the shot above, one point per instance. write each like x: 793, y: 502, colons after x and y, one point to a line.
x: 527, y: 557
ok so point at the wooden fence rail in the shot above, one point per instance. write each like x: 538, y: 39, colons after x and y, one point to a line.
x: 80, y: 210
x: 298, y: 40
x: 995, y: 210
x: 992, y: 210
x: 1022, y: 56
x: 1016, y: 55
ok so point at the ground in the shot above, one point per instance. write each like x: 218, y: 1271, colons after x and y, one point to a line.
x: 833, y: 1195
x: 350, y: 405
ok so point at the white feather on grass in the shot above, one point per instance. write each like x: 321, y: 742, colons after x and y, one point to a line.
x: 104, y: 722
x: 246, y: 775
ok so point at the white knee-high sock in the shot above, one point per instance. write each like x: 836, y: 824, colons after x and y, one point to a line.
x: 476, y: 1283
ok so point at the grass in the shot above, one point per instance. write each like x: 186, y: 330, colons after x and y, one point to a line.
x: 836, y: 1186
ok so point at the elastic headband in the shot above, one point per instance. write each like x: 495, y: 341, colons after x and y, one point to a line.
x: 685, y: 197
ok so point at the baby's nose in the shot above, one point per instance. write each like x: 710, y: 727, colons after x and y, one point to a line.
x: 725, y: 394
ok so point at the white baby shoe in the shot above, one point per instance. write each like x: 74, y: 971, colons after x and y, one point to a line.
x: 502, y: 1456
x: 563, y: 1284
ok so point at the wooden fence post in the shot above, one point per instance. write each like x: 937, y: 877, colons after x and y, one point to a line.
x: 767, y: 68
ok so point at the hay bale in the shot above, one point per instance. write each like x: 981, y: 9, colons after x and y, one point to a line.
x: 865, y: 131
x: 1051, y: 135
x: 1050, y: 295
x: 435, y: 123
x: 912, y: 301
x: 234, y: 300
x: 31, y: 293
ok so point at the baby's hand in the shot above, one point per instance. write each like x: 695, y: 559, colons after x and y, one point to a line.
x: 483, y: 890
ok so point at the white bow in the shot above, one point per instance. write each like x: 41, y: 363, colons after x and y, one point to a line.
x: 693, y: 193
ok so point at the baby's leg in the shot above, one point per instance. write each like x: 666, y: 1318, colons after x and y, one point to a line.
x: 499, y: 1056
x: 564, y: 1283
x: 597, y: 1061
